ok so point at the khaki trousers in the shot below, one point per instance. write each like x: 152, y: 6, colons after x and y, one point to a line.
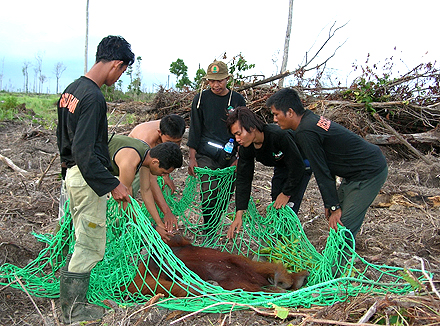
x: 89, y: 213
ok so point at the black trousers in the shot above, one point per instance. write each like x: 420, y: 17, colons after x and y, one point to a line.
x: 212, y: 205
x: 279, y: 178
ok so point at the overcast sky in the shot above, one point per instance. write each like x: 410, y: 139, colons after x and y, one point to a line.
x: 200, y: 31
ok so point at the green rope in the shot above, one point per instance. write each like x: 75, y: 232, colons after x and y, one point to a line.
x: 335, y: 274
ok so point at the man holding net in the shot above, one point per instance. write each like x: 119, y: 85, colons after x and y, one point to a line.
x: 271, y: 146
x: 131, y: 157
x: 334, y: 151
x: 208, y: 134
x: 82, y: 137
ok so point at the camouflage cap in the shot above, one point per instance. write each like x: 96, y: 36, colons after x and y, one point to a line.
x: 217, y: 70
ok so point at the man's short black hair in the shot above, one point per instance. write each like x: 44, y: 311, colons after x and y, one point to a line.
x: 114, y: 48
x: 172, y: 125
x: 285, y: 99
x: 248, y: 119
x: 168, y: 154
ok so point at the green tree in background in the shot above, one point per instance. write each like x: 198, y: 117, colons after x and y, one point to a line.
x: 237, y: 66
x: 129, y: 72
x: 179, y: 69
x: 136, y: 82
x: 199, y: 76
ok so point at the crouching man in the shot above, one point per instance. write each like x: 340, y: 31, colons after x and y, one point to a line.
x: 334, y: 151
x: 131, y: 157
x: 168, y: 129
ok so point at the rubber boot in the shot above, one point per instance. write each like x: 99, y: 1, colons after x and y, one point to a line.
x: 73, y: 291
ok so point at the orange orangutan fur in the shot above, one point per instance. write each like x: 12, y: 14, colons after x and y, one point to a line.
x: 227, y: 270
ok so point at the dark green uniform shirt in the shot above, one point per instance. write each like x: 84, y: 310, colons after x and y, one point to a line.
x: 118, y: 142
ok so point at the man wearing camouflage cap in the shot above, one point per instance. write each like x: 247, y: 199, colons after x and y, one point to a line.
x: 208, y: 133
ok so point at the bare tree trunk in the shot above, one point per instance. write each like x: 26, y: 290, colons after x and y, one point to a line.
x: 25, y: 68
x: 38, y: 70
x: 286, y: 44
x: 1, y: 74
x: 86, y: 49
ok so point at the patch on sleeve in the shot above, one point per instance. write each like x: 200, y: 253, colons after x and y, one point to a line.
x: 324, y: 123
x: 68, y: 101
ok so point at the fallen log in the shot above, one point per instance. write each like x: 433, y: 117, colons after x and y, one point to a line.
x: 431, y: 137
x: 401, y: 139
x: 12, y: 165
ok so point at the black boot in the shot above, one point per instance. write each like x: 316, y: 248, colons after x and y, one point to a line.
x: 73, y: 291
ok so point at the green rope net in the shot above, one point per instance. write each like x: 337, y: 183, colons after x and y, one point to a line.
x: 204, y: 210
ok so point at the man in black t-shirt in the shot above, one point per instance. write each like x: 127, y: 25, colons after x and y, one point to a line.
x: 208, y: 133
x: 333, y: 150
x: 82, y: 141
x: 271, y: 146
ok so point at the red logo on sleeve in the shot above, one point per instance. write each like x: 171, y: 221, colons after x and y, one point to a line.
x: 68, y: 101
x: 324, y: 123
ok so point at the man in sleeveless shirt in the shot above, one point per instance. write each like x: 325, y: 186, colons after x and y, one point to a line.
x: 130, y: 156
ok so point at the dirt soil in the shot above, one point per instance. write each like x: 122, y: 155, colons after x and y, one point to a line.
x: 404, y: 222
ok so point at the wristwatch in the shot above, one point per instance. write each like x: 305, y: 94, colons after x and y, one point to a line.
x: 335, y: 207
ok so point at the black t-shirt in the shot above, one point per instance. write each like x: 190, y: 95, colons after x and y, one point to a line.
x: 333, y: 150
x: 82, y: 134
x: 278, y: 149
x: 208, y: 121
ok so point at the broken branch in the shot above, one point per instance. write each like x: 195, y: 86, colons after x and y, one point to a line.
x: 12, y: 165
x: 47, y: 169
x: 264, y: 81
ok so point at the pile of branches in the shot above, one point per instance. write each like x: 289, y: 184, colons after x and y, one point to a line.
x: 404, y: 110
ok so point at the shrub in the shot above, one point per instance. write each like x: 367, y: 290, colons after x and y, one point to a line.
x: 8, y: 108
